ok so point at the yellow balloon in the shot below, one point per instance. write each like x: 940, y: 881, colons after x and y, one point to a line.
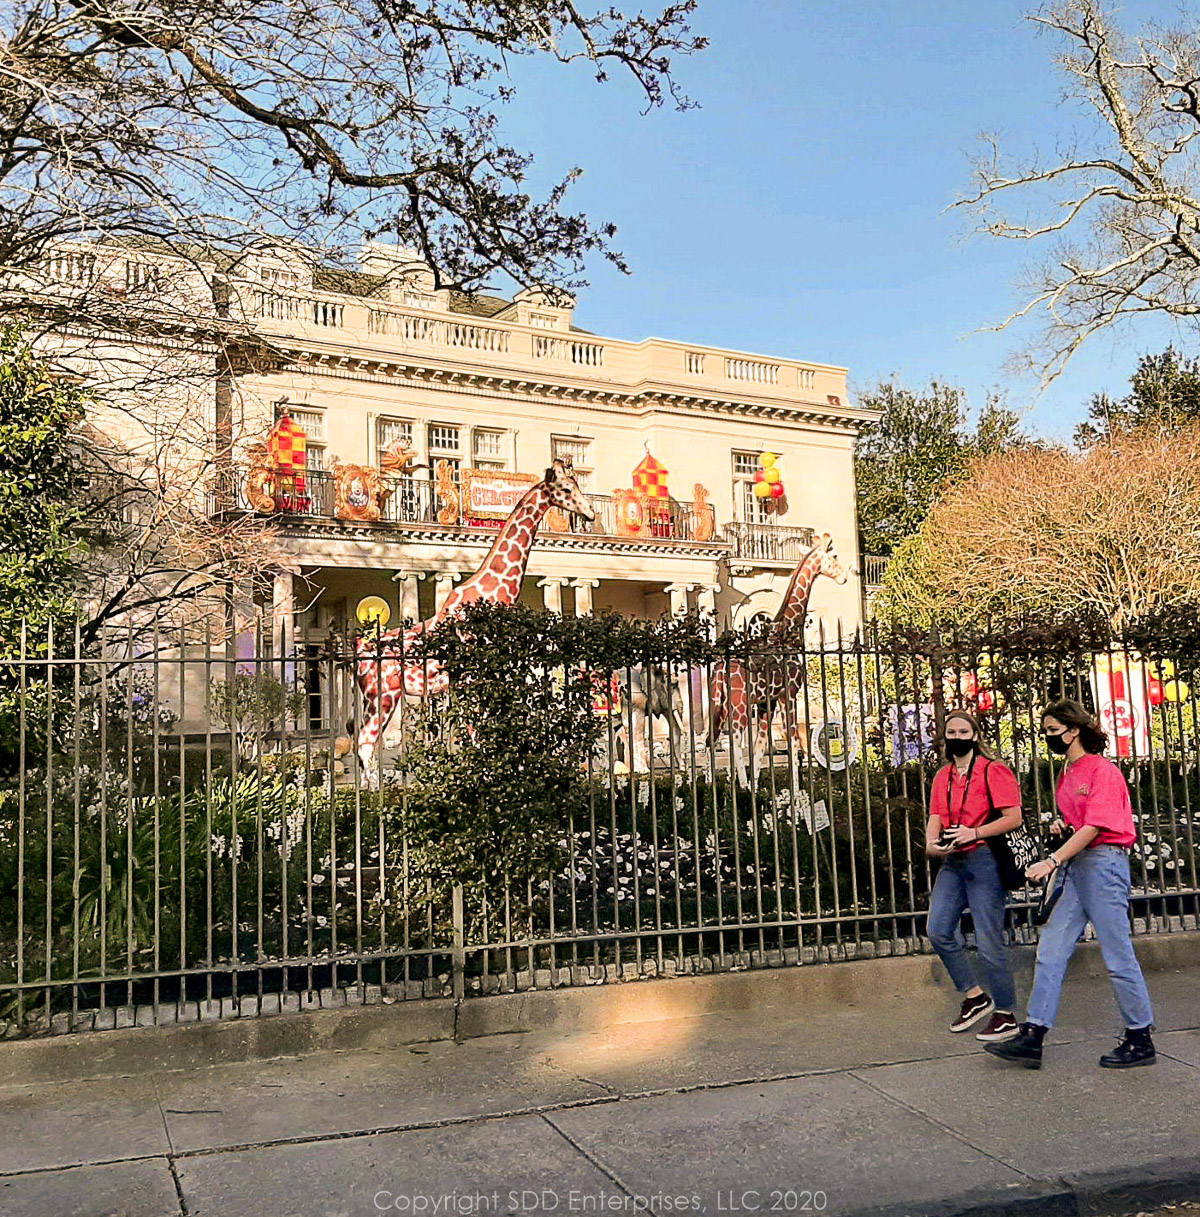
x: 1176, y: 690
x: 1166, y: 669
x: 373, y: 610
x: 767, y: 460
x: 772, y: 475
x: 762, y: 490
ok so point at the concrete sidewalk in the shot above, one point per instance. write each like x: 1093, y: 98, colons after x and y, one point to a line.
x: 853, y: 1101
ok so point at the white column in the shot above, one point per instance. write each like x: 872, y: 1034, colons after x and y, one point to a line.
x: 679, y: 597
x: 408, y: 583
x: 551, y: 594
x: 443, y: 586
x: 584, y: 601
x: 283, y: 611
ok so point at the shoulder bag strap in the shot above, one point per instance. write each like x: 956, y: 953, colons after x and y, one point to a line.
x: 993, y: 814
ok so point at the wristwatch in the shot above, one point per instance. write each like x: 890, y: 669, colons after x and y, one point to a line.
x: 1054, y: 861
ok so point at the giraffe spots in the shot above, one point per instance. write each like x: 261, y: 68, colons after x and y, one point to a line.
x: 488, y: 583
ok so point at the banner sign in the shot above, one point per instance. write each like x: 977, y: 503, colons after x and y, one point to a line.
x: 1121, y: 686
x: 491, y: 495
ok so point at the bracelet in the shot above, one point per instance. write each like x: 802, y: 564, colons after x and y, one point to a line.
x: 977, y: 836
x: 1055, y: 861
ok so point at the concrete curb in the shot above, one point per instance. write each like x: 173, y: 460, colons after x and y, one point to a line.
x: 574, y: 1009
x: 1095, y: 1194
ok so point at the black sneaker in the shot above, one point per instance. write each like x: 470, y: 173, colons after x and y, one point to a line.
x: 973, y: 1009
x: 1000, y: 1027
x: 1025, y: 1048
x: 1137, y: 1048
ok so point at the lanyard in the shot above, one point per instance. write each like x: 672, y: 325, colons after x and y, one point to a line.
x: 966, y: 790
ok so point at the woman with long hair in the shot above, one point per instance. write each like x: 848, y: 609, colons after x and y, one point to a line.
x: 1093, y: 800
x: 974, y: 797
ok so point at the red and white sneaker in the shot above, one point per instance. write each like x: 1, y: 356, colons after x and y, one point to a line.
x: 973, y: 1009
x: 1000, y: 1027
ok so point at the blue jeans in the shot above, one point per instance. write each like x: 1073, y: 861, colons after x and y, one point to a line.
x: 1095, y: 889
x: 972, y: 880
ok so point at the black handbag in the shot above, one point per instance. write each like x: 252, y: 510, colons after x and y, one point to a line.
x: 1015, y: 851
x: 1048, y: 897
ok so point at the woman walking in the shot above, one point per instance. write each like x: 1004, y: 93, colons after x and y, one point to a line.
x: 974, y: 797
x: 1093, y: 800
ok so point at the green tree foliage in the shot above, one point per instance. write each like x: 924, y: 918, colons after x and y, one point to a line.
x: 496, y: 769
x: 40, y: 489
x: 923, y: 442
x: 1164, y: 391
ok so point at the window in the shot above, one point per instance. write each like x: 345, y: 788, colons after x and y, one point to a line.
x: 392, y: 431
x: 490, y: 449
x: 278, y: 276
x: 750, y: 510
x: 579, y: 452
x: 312, y: 423
x: 544, y: 321
x: 445, y: 440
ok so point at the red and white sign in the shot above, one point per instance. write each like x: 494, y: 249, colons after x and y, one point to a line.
x: 1121, y: 687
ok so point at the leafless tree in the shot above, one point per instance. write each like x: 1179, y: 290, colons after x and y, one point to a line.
x: 146, y: 147
x: 208, y: 123
x: 1120, y: 206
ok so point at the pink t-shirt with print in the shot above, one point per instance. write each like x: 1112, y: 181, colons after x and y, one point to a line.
x: 1092, y: 791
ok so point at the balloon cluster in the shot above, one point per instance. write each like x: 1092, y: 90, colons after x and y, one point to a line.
x: 768, y: 481
x: 1163, y: 684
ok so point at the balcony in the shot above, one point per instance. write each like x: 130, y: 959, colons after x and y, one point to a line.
x: 416, y: 503
x: 769, y: 542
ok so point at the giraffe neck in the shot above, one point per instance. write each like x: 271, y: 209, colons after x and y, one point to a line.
x: 794, y: 609
x: 500, y: 576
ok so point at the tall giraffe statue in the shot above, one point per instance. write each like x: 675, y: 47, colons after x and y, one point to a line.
x: 762, y: 683
x: 386, y: 677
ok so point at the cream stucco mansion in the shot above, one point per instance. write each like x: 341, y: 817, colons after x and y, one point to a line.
x: 482, y: 393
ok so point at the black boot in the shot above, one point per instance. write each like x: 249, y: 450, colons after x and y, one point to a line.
x: 1025, y: 1048
x: 1137, y: 1048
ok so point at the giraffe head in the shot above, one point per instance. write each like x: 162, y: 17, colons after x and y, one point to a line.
x: 828, y: 562
x: 564, y: 491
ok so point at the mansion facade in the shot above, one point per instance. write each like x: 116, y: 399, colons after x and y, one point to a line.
x: 424, y: 414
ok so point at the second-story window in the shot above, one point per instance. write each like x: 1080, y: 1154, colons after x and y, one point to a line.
x: 749, y: 509
x: 445, y: 444
x: 392, y: 432
x: 579, y: 452
x: 489, y: 449
x: 312, y: 423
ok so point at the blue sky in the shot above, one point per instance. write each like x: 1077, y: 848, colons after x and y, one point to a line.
x: 801, y: 211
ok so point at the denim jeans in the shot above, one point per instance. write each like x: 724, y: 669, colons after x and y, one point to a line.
x: 972, y: 880
x: 1095, y: 889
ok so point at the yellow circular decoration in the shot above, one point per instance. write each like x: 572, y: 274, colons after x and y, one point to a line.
x: 772, y: 476
x: 767, y: 460
x: 373, y: 610
x: 1176, y: 690
x: 1166, y: 669
x: 762, y: 490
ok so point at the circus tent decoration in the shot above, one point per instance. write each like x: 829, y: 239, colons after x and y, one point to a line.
x: 277, y: 479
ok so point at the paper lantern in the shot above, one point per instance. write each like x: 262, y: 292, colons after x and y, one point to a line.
x: 767, y: 460
x: 287, y: 445
x: 777, y: 490
x: 1154, y: 691
x: 1176, y: 690
x: 373, y: 610
x: 762, y: 490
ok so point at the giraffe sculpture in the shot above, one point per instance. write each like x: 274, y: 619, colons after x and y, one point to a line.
x: 386, y: 677
x: 762, y: 683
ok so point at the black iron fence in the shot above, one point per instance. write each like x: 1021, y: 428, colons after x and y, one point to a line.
x: 186, y: 823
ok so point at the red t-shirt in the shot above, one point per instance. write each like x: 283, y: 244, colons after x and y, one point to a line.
x: 962, y: 800
x: 1092, y: 791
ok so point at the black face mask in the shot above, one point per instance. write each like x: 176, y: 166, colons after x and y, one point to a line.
x: 1057, y: 745
x: 959, y: 747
